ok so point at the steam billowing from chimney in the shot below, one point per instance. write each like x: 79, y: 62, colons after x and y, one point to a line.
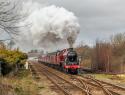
x: 70, y: 41
x: 51, y: 27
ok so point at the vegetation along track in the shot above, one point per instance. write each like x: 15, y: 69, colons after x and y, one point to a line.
x: 71, y: 84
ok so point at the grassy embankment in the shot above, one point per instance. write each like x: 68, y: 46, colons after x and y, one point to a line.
x: 22, y: 83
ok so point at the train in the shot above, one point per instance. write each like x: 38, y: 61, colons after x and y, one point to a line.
x: 67, y: 60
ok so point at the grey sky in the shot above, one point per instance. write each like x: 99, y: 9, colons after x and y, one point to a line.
x: 98, y: 18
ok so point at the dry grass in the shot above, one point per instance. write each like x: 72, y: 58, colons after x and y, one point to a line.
x: 22, y: 83
x: 26, y: 84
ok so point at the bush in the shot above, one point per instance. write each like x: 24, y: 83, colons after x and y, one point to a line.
x: 10, y: 58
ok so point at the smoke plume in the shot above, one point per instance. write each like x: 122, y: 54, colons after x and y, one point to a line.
x: 51, y: 27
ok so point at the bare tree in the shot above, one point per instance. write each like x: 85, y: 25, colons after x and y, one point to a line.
x: 118, y: 42
x: 118, y: 39
x: 9, y: 17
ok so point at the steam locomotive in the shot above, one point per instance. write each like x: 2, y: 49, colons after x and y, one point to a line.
x: 66, y: 59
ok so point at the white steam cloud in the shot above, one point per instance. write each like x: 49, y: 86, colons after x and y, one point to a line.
x: 51, y: 27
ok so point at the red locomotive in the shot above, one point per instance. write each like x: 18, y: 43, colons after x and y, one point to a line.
x: 66, y: 59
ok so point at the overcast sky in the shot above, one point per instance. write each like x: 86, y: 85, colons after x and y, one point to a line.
x: 97, y: 18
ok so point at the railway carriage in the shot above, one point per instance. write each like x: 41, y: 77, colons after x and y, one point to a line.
x: 66, y: 59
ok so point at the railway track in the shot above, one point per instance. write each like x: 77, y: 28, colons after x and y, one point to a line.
x: 67, y: 87
x: 108, y: 88
x: 77, y: 85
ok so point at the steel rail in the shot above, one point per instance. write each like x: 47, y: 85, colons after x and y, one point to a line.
x: 82, y: 89
x: 61, y: 88
x: 47, y: 75
x: 107, y: 91
x: 68, y: 81
x: 84, y: 84
x: 113, y: 85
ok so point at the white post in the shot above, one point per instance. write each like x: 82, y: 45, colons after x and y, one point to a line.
x: 26, y: 65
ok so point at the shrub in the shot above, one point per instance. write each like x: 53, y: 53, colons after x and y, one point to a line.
x: 10, y: 58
